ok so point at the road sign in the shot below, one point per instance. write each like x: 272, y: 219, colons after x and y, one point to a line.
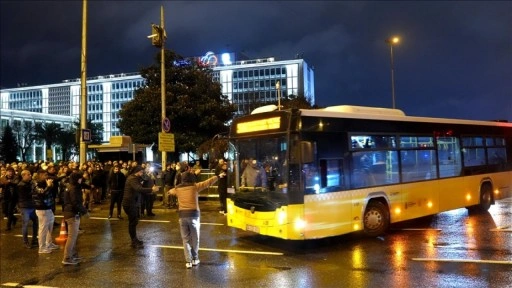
x: 86, y: 135
x: 166, y: 142
x: 166, y: 125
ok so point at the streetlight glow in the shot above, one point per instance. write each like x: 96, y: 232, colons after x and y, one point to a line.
x: 392, y: 41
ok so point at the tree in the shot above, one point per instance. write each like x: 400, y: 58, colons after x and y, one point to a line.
x: 194, y: 104
x: 96, y: 131
x: 49, y: 132
x: 25, y: 137
x: 67, y: 141
x: 297, y: 102
x: 8, y: 145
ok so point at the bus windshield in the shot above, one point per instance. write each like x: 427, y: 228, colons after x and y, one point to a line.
x: 260, y: 164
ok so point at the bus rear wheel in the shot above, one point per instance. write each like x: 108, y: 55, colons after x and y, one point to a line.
x: 376, y: 219
x: 485, y: 197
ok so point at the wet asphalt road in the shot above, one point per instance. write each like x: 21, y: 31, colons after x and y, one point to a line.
x: 451, y: 249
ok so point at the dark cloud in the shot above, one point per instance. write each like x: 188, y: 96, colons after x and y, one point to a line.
x: 454, y: 60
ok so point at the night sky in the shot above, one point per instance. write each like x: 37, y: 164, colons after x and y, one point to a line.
x: 454, y: 59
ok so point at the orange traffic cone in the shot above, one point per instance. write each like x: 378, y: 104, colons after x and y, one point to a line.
x: 63, y: 235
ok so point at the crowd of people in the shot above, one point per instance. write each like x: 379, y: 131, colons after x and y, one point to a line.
x: 35, y: 189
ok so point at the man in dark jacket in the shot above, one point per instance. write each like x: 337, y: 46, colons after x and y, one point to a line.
x: 43, y: 201
x: 9, y: 184
x: 98, y: 181
x: 168, y: 180
x: 131, y: 202
x: 116, y: 186
x: 52, y: 174
x: 27, y: 207
x: 73, y: 209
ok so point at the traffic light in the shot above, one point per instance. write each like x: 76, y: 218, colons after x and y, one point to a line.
x: 156, y: 36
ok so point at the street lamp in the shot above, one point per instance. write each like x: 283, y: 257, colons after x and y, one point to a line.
x: 278, y: 88
x: 392, y: 41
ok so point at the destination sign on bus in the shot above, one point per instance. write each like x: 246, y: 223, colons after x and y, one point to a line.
x: 259, y: 125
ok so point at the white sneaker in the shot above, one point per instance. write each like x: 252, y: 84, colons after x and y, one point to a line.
x: 195, y: 262
x: 69, y: 262
x: 53, y: 246
x: 188, y: 265
x: 45, y: 251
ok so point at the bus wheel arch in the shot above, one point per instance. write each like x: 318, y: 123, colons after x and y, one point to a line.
x: 376, y: 218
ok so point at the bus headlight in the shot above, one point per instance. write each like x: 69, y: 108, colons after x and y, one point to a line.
x: 281, y: 217
x: 230, y: 208
x: 300, y: 224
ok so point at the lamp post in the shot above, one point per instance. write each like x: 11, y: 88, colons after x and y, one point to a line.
x: 158, y: 37
x: 392, y: 41
x: 278, y: 88
x: 83, y: 85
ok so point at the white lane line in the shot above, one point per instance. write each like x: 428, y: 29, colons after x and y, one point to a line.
x: 502, y: 229
x: 463, y: 261
x: 104, y: 218
x: 212, y: 224
x: 422, y: 229
x: 223, y: 250
x: 11, y: 284
x: 153, y: 221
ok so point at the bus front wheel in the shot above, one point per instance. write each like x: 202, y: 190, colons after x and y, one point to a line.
x: 376, y: 219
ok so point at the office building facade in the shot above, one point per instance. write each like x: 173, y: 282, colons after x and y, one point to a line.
x: 246, y: 83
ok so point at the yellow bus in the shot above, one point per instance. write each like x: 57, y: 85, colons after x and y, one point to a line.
x: 307, y: 174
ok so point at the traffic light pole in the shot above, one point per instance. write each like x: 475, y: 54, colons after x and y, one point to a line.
x: 162, y: 67
x: 83, y: 85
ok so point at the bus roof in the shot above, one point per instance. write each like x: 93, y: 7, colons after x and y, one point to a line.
x: 376, y: 113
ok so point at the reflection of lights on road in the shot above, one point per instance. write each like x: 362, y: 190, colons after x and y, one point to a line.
x: 398, y: 257
x: 357, y: 257
x: 469, y: 227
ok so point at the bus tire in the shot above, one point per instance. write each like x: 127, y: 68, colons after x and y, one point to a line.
x: 485, y: 197
x: 376, y: 219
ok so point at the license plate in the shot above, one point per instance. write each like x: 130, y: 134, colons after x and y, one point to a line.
x: 253, y: 228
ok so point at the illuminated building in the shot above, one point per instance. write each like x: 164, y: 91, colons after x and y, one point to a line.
x: 244, y: 82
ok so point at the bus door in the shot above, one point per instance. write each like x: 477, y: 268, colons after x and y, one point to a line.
x: 420, y: 185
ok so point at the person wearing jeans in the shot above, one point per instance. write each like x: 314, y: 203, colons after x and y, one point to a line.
x: 73, y: 209
x: 189, y: 213
x: 43, y: 201
x: 26, y: 205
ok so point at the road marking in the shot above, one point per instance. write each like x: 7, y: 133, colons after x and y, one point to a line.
x: 463, y: 261
x: 155, y: 221
x: 11, y: 284
x: 224, y: 250
x: 422, y: 229
x: 501, y: 229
